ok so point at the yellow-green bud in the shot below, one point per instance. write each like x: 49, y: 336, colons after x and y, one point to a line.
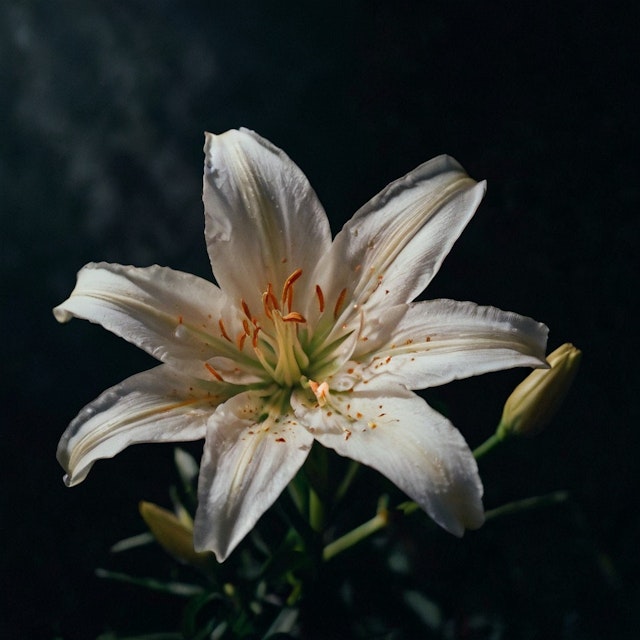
x: 535, y: 401
x: 174, y: 535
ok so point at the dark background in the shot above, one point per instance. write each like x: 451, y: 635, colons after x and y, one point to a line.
x: 102, y: 109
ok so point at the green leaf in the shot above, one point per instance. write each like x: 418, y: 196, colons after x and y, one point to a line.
x: 132, y: 542
x: 175, y: 588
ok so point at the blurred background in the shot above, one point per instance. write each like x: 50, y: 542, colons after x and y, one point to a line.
x: 102, y: 112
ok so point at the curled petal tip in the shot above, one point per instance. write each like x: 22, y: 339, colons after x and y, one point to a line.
x: 61, y: 314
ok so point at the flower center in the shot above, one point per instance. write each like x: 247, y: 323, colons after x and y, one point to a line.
x: 276, y: 342
x: 284, y: 346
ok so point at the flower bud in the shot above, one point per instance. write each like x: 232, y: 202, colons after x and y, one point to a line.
x: 535, y: 401
x: 174, y: 535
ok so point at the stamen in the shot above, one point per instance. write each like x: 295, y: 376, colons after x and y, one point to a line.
x: 289, y: 298
x: 213, y: 372
x: 245, y: 308
x: 269, y: 301
x: 320, y: 296
x: 272, y: 297
x: 286, y: 295
x: 242, y: 336
x: 294, y: 316
x: 223, y: 331
x: 266, y: 303
x: 339, y: 303
x: 261, y: 357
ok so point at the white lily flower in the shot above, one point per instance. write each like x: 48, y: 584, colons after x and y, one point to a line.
x: 303, y: 338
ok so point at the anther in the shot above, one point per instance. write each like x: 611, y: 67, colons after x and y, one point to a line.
x: 269, y: 301
x: 339, y: 303
x: 289, y: 298
x: 272, y: 298
x: 266, y: 303
x: 245, y: 308
x: 320, y: 296
x: 294, y: 316
x: 223, y: 331
x: 287, y: 289
x: 213, y: 372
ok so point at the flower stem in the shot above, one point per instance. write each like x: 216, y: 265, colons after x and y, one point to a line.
x: 489, y: 444
x: 316, y: 511
x: 347, y: 480
x: 379, y: 521
x: 535, y: 502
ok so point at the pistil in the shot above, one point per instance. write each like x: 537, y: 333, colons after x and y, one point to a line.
x: 289, y: 351
x: 277, y: 346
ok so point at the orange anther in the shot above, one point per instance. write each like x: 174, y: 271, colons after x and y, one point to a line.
x: 245, y: 308
x: 213, y: 372
x: 289, y: 298
x: 288, y: 283
x: 223, y: 331
x: 339, y: 303
x: 272, y: 297
x: 269, y: 301
x: 294, y: 316
x: 320, y: 296
x: 266, y: 303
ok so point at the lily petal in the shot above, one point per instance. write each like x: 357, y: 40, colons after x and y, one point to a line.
x: 170, y: 314
x: 438, y: 341
x: 263, y: 219
x: 159, y: 405
x: 248, y: 461
x: 395, y: 244
x: 392, y: 430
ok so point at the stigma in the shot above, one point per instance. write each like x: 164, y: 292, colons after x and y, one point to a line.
x: 320, y: 391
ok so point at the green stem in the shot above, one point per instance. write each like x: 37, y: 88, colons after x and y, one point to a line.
x: 295, y: 518
x: 347, y: 480
x: 379, y: 521
x: 298, y: 492
x: 489, y: 444
x: 535, y: 502
x: 316, y: 511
